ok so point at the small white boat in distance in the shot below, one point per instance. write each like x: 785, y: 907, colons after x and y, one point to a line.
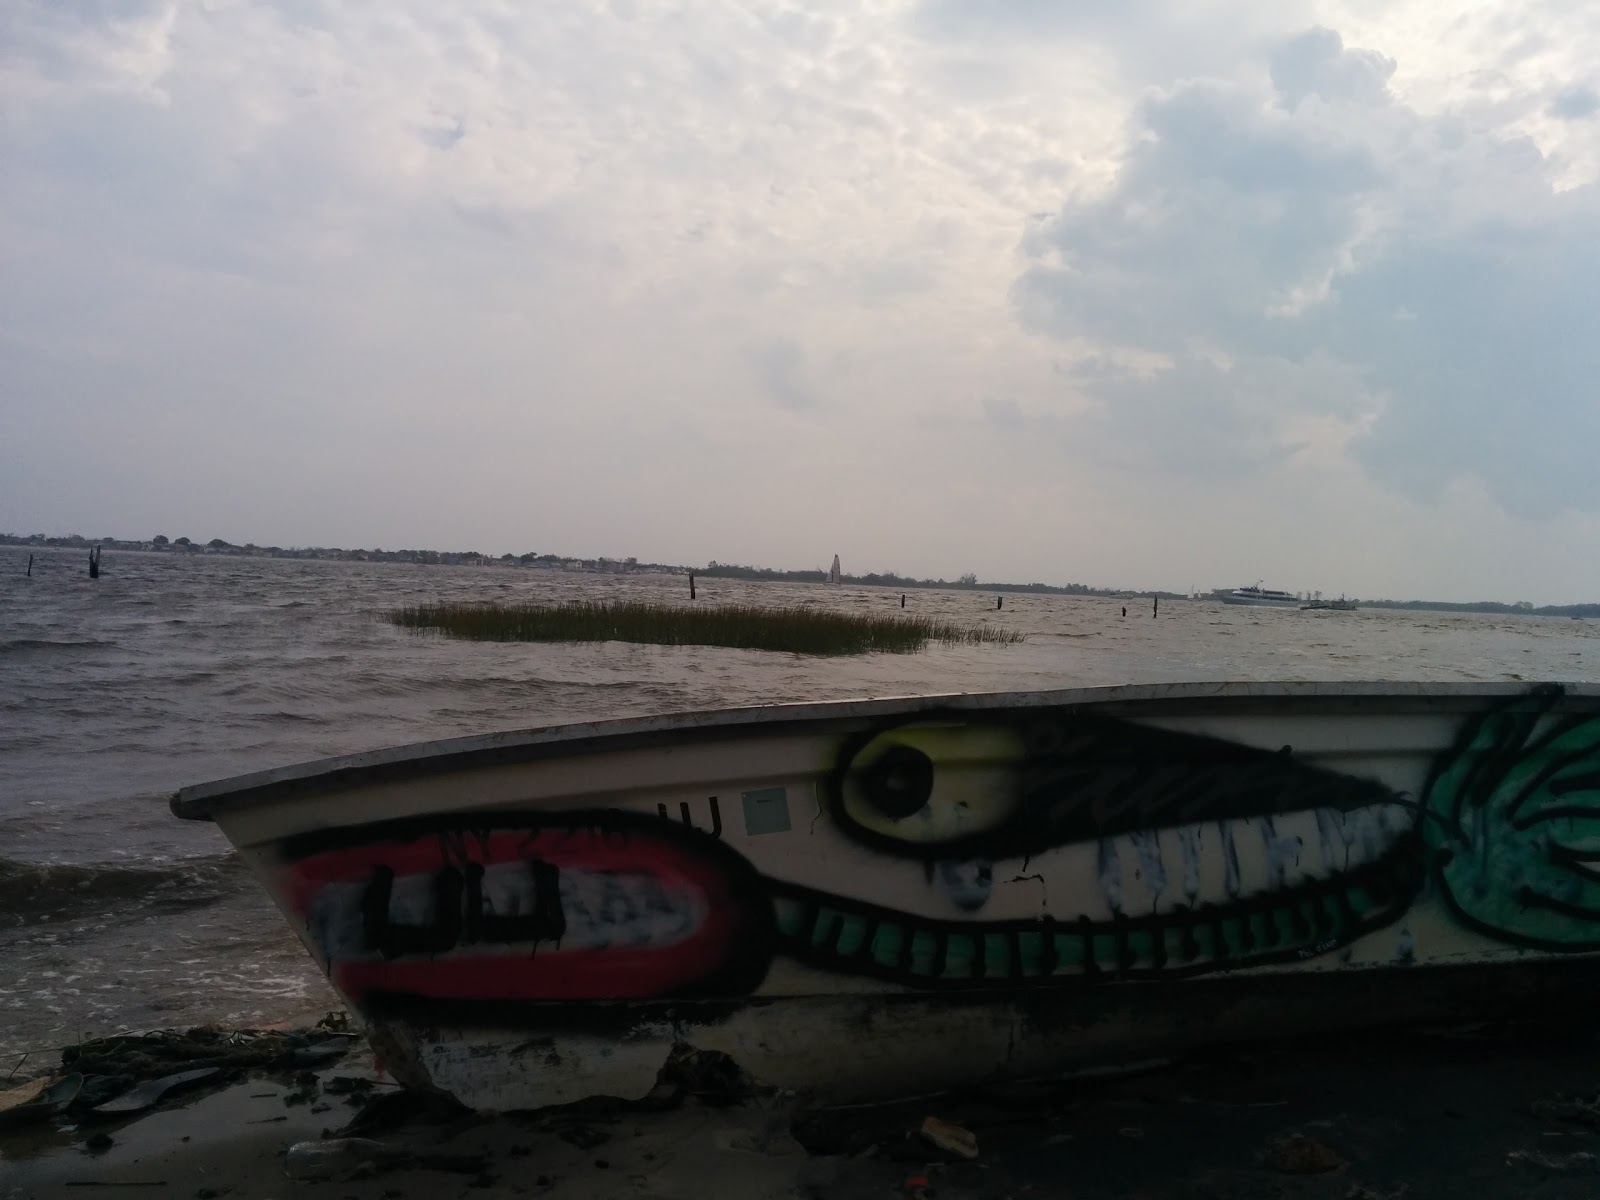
x: 867, y: 899
x: 1259, y: 596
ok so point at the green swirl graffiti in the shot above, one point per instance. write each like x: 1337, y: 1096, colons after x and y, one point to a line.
x: 1514, y: 824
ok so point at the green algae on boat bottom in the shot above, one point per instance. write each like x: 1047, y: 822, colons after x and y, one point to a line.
x: 795, y: 629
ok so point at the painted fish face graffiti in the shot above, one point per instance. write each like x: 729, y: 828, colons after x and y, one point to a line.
x: 1153, y: 852
x: 1048, y: 848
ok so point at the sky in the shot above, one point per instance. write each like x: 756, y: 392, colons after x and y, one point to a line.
x: 1143, y: 295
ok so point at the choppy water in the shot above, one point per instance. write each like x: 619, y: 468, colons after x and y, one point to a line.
x: 171, y: 670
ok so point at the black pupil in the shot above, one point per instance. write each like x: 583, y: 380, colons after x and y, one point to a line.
x: 900, y: 782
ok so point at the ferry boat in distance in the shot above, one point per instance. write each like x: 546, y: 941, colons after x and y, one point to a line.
x: 1259, y: 596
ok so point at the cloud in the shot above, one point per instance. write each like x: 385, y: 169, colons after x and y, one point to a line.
x: 407, y: 272
x: 1575, y: 104
x: 1316, y: 64
x: 1426, y: 265
x: 781, y: 366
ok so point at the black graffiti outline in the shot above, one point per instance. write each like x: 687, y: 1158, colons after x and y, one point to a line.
x: 688, y: 819
x: 1061, y: 802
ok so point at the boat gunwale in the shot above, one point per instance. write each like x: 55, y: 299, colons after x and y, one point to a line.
x: 320, y: 777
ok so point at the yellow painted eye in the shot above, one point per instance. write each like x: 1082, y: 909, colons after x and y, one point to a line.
x: 932, y: 784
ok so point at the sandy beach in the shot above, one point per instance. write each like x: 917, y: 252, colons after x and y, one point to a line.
x: 1502, y: 1112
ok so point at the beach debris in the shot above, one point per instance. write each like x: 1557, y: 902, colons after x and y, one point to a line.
x: 150, y: 1093
x: 820, y: 1176
x: 361, y: 1158
x: 1300, y: 1154
x: 584, y: 1137
x: 915, y: 1187
x: 38, y: 1098
x: 139, y: 1070
x: 163, y: 1052
x: 147, y: 1095
x: 342, y: 1158
x: 950, y: 1138
x: 710, y: 1076
x: 321, y: 1052
x: 116, y: 1183
x: 1576, y: 1110
x: 392, y: 1110
x: 97, y: 1089
x: 304, y: 1090
x: 347, y: 1085
x: 1579, y: 1162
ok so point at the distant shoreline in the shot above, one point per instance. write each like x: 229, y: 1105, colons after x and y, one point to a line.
x: 713, y: 570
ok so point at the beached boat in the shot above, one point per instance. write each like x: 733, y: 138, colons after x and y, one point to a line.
x: 876, y: 898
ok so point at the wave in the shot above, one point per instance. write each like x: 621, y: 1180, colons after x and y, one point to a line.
x: 30, y: 889
x: 23, y: 645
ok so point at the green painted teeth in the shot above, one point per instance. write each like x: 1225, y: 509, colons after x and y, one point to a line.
x: 854, y: 937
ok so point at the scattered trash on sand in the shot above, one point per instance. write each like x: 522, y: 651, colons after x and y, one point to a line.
x: 342, y: 1158
x: 1300, y: 1154
x: 952, y: 1139
x: 149, y: 1094
x: 1576, y: 1110
x: 164, y: 1052
x: 1580, y: 1162
x: 361, y: 1158
x: 110, y: 1078
x: 391, y: 1110
x: 38, y: 1098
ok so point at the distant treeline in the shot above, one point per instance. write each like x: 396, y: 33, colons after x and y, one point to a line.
x: 713, y: 570
x: 889, y: 579
x: 1522, y: 607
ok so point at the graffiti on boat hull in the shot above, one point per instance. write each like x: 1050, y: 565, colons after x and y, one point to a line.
x: 1515, y: 834
x: 570, y: 906
x: 1052, y: 848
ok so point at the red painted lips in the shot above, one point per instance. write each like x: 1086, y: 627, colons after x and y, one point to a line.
x: 581, y: 906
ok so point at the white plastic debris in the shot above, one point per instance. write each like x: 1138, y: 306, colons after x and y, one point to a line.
x: 341, y: 1158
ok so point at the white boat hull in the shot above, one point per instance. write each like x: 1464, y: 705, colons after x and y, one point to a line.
x: 877, y: 898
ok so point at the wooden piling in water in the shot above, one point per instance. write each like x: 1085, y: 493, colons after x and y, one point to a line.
x: 30, y: 566
x: 691, y: 585
x: 902, y: 599
x: 999, y: 603
x: 94, y: 563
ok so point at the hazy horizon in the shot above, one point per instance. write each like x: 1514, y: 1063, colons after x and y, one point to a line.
x: 1146, y: 297
x: 951, y: 579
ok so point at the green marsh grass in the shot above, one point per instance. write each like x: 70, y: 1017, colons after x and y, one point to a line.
x: 743, y: 627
